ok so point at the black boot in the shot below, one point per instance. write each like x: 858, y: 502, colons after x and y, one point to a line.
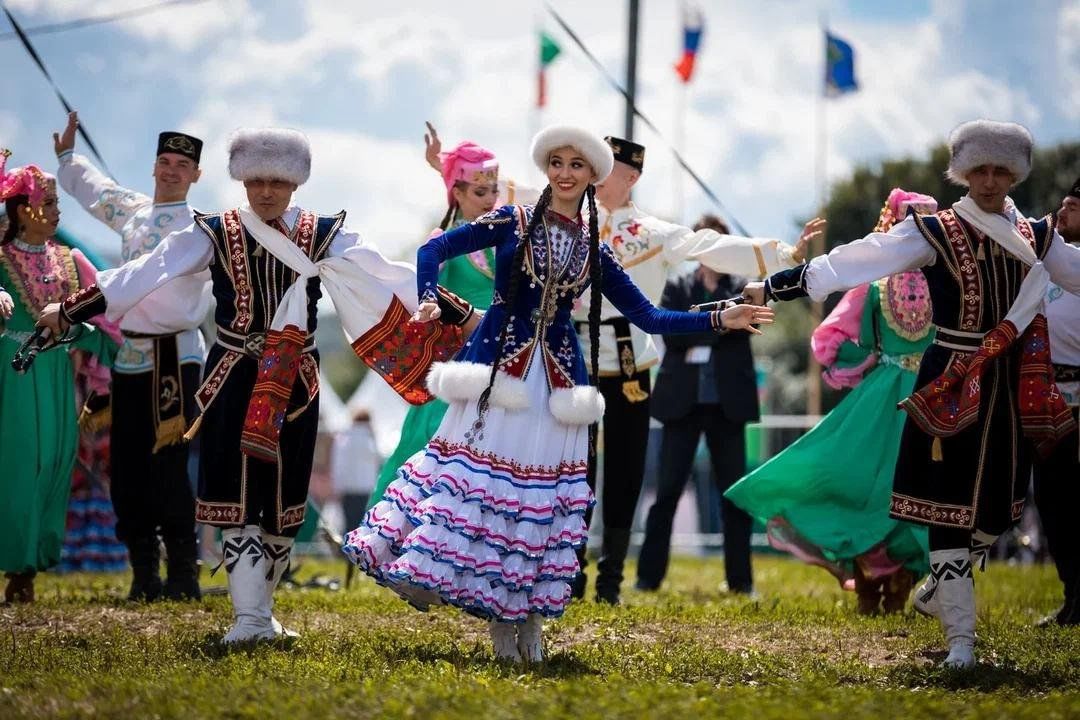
x: 577, y: 585
x: 610, y: 565
x: 144, y: 554
x: 182, y: 566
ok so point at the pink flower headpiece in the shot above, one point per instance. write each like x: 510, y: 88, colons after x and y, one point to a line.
x: 897, y: 204
x: 470, y: 163
x: 28, y: 180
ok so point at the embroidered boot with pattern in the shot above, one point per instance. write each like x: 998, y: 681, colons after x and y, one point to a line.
x: 242, y: 553
x: 981, y: 542
x: 144, y: 554
x: 277, y: 549
x: 504, y: 640
x: 925, y: 598
x: 530, y: 638
x: 955, y: 598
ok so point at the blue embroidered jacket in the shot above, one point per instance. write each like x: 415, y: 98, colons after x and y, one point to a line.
x: 540, y: 318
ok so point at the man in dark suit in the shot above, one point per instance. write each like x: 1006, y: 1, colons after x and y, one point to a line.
x: 706, y: 384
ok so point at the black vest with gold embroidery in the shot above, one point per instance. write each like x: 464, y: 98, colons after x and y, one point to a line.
x: 248, y: 281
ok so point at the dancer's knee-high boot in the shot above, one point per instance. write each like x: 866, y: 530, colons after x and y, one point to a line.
x: 277, y: 551
x: 242, y: 551
x: 954, y: 598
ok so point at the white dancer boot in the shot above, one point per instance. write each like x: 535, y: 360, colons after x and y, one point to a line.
x: 924, y: 600
x: 955, y: 599
x: 530, y: 638
x: 981, y: 542
x: 276, y: 550
x: 242, y: 553
x: 503, y: 639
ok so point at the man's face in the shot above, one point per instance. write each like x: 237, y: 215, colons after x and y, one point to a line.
x: 614, y: 192
x: 988, y: 186
x: 269, y: 198
x: 1068, y: 219
x: 173, y: 174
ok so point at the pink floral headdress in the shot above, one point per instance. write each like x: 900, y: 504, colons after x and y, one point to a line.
x: 29, y: 180
x: 470, y: 163
x: 897, y: 204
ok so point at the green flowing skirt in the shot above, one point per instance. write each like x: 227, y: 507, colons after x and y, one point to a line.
x: 830, y: 491
x: 38, y: 439
x: 419, y: 427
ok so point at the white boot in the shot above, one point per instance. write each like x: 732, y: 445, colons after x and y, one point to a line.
x: 242, y: 553
x: 981, y: 542
x: 955, y: 598
x: 925, y: 598
x: 276, y: 550
x: 530, y: 638
x: 502, y: 638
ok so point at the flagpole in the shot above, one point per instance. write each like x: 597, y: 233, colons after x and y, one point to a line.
x: 817, y: 247
x: 633, y: 10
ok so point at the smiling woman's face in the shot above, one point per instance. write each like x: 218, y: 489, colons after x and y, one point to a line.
x: 568, y: 173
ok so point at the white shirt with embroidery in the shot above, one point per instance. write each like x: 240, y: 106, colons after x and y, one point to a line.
x: 649, y: 249
x: 1063, y: 318
x: 178, y: 305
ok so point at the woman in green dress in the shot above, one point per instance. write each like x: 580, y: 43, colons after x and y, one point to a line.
x: 471, y: 176
x: 39, y: 433
x: 825, y: 499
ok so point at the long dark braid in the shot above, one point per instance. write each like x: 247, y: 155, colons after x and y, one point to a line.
x: 448, y: 217
x: 517, y: 270
x: 597, y: 278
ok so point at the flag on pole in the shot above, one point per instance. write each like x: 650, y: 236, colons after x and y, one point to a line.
x: 549, y: 50
x: 839, y: 66
x: 693, y: 27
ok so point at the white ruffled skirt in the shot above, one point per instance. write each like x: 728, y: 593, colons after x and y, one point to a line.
x: 490, y: 526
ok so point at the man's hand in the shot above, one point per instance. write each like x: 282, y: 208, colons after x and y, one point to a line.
x: 745, y: 317
x: 7, y: 305
x: 811, y: 232
x: 50, y: 317
x: 432, y: 148
x: 427, y: 312
x: 66, y: 141
x: 754, y: 293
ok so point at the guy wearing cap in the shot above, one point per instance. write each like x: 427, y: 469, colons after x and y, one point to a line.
x: 647, y: 248
x: 157, y: 368
x: 1057, y: 492
x: 987, y: 399
x: 269, y: 263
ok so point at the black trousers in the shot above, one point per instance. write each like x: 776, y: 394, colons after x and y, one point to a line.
x: 151, y: 492
x: 1057, y: 495
x: 726, y: 441
x: 626, y: 436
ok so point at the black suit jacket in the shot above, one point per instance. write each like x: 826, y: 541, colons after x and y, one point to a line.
x: 676, y: 390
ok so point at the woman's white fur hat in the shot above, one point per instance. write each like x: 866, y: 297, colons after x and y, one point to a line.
x: 269, y: 154
x: 592, y: 147
x: 988, y: 142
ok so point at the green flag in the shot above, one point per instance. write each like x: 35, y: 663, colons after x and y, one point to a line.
x: 549, y: 49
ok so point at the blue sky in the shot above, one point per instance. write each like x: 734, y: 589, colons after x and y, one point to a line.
x: 360, y: 78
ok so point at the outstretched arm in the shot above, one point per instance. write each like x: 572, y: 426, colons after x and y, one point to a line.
x: 625, y: 296
x: 733, y: 254
x: 486, y: 231
x: 98, y: 194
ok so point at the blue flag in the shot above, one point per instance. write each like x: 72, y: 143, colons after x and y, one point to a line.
x: 839, y: 66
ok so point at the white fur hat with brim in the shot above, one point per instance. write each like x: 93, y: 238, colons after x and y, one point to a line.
x: 988, y: 142
x: 592, y: 147
x: 269, y: 154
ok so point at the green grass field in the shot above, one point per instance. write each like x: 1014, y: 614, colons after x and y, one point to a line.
x: 686, y: 652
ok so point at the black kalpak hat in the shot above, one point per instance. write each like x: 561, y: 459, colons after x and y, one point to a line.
x: 1074, y: 191
x: 181, y: 144
x: 628, y: 152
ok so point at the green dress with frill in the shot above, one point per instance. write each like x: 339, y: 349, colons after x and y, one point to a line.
x: 473, y: 278
x: 39, y: 432
x: 826, y: 497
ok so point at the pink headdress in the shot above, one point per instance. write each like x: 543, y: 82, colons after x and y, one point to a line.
x: 897, y: 204
x: 28, y: 180
x: 470, y: 163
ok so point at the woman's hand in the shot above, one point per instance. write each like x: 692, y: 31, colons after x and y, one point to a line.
x: 7, y: 305
x: 745, y: 317
x: 432, y: 148
x: 427, y: 312
x: 50, y: 317
x: 810, y: 233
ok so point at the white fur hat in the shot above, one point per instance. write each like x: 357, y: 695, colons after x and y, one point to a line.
x: 269, y: 154
x: 988, y: 142
x: 593, y: 147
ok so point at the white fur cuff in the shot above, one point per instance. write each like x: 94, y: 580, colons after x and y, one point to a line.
x: 456, y: 381
x: 581, y: 405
